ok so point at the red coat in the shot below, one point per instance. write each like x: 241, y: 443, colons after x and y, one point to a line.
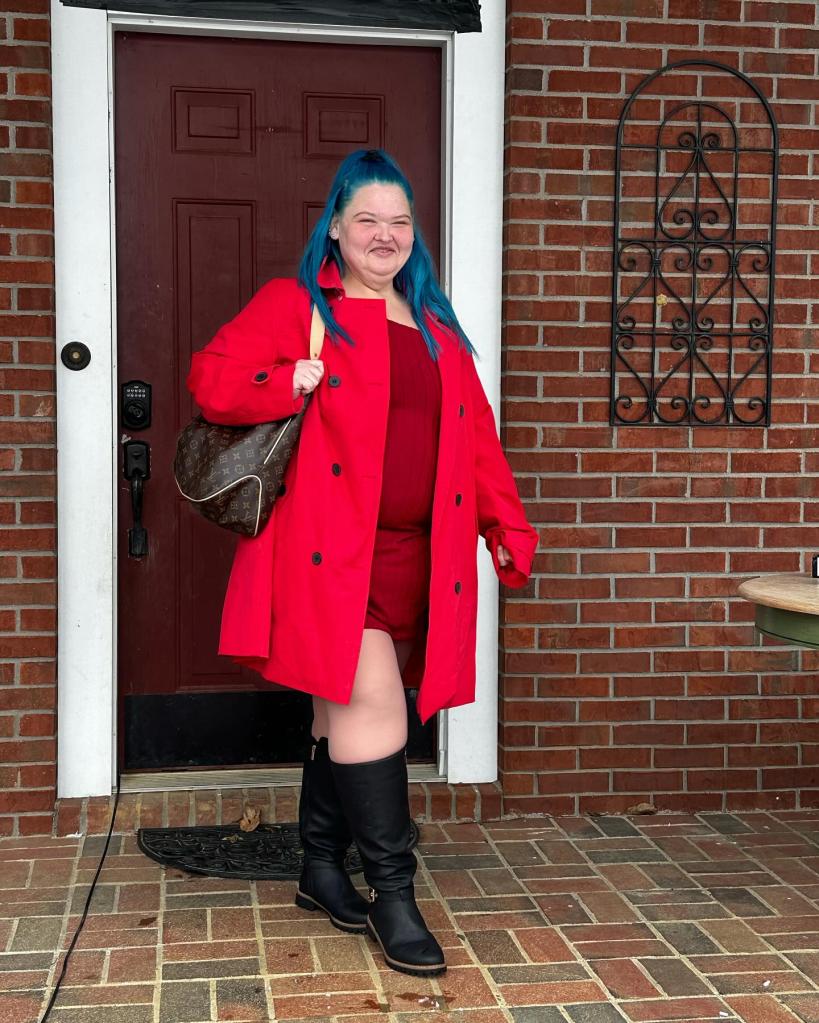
x: 297, y: 596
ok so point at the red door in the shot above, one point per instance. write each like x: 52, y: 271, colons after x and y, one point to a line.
x: 224, y: 153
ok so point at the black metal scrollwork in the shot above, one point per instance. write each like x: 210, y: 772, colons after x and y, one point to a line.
x: 693, y: 266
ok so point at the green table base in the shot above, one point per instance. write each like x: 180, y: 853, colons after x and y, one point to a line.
x: 792, y: 626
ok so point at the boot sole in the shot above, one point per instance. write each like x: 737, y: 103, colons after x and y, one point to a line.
x: 307, y: 902
x: 412, y: 969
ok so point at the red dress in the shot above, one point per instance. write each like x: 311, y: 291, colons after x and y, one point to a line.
x: 399, y: 578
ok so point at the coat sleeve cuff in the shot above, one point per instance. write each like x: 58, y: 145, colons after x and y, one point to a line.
x: 276, y: 382
x: 515, y: 573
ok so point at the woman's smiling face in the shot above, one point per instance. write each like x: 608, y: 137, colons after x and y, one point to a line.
x: 375, y: 234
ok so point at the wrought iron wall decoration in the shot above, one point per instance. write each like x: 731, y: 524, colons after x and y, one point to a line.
x: 694, y: 247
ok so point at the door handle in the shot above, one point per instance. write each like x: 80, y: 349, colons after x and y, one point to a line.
x: 137, y: 469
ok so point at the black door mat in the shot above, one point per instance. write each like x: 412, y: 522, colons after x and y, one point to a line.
x: 272, y: 852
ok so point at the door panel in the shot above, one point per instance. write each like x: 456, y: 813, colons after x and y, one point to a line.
x: 224, y: 153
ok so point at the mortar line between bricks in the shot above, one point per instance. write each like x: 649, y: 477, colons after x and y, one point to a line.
x: 106, y: 968
x: 782, y: 955
x: 159, y: 960
x: 680, y: 955
x: 651, y: 925
x: 257, y: 925
x: 635, y: 961
x: 516, y: 941
x: 138, y: 812
x: 15, y: 923
x: 490, y: 980
x: 724, y: 951
x: 369, y: 958
x: 484, y: 971
x: 786, y: 956
x: 50, y: 978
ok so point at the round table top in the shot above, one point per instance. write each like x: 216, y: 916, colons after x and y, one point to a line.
x: 791, y: 592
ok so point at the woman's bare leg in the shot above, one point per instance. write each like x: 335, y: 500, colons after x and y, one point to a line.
x: 374, y: 723
x: 321, y: 725
x: 367, y: 739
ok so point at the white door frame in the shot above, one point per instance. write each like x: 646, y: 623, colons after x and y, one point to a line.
x: 87, y: 422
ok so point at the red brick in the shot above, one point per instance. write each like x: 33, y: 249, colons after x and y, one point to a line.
x: 28, y: 750
x: 647, y: 781
x: 29, y: 84
x: 35, y: 299
x: 582, y: 82
x: 738, y: 36
x: 35, y: 193
x: 572, y: 782
x: 30, y: 29
x: 652, y: 734
x: 38, y: 620
x: 39, y: 567
x: 27, y: 539
x: 663, y: 32
x: 37, y: 460
x: 38, y: 673
x: 17, y: 801
x: 649, y: 586
x: 34, y: 245
x: 700, y: 756
x: 35, y: 824
x: 39, y: 725
x: 612, y: 57
x: 636, y: 8
x: 798, y: 38
x: 583, y: 29
x: 621, y: 756
x: 542, y: 54
x: 525, y: 28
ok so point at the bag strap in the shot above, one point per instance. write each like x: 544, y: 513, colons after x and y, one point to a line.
x: 317, y: 330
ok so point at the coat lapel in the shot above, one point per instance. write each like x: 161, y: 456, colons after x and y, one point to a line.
x: 449, y: 369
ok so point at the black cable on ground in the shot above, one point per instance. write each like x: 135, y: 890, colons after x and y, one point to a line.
x: 70, y: 949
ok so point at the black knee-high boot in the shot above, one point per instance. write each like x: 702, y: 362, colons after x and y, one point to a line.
x: 376, y: 801
x: 325, y: 838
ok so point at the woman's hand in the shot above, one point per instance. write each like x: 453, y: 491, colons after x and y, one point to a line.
x: 504, y: 557
x: 307, y: 376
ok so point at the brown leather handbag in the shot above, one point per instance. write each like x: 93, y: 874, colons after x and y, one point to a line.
x: 233, y: 474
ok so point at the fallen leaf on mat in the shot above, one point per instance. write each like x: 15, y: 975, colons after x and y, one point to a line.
x: 250, y: 819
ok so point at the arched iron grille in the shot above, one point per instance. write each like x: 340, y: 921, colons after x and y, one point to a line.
x: 693, y: 275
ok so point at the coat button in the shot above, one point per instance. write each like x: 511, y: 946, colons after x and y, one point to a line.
x: 336, y: 469
x: 460, y: 410
x: 261, y: 376
x: 282, y: 489
x: 316, y: 558
x: 458, y: 498
x: 334, y: 381
x: 457, y: 587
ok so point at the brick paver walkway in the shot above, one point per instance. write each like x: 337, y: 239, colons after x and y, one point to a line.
x: 587, y: 920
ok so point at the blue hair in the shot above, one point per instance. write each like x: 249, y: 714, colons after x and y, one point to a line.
x: 417, y: 280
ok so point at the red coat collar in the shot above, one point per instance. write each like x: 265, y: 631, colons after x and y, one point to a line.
x: 329, y: 279
x: 328, y: 276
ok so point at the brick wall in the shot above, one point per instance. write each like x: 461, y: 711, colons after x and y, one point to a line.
x: 27, y: 410
x: 631, y: 672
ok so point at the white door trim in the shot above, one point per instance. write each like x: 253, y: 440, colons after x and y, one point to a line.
x: 87, y: 426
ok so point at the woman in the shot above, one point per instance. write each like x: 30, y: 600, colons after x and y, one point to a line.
x: 365, y: 575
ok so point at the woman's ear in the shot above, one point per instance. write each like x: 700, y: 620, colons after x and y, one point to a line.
x: 333, y: 232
